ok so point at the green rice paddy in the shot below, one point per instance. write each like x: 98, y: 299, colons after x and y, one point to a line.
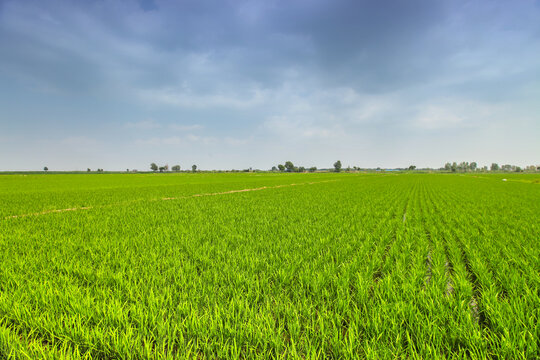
x: 228, y: 266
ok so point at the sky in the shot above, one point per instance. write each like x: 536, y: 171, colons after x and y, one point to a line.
x: 236, y: 84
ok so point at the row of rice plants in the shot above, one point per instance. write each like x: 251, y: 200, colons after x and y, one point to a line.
x: 505, y: 323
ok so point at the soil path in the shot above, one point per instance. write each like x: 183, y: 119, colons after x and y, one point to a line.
x: 45, y: 212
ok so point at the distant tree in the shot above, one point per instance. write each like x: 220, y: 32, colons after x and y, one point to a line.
x: 337, y: 166
x: 313, y: 169
x: 448, y: 166
x: 45, y: 169
x: 454, y: 167
x: 281, y: 167
x: 175, y: 168
x: 166, y: 167
x: 506, y: 167
x: 88, y: 170
x: 301, y: 169
x: 161, y: 168
x: 473, y: 166
x: 289, y: 166
x: 348, y: 169
x: 463, y: 166
x: 518, y: 169
x: 153, y: 167
x: 127, y: 170
x: 494, y: 167
x: 194, y: 168
x: 412, y: 167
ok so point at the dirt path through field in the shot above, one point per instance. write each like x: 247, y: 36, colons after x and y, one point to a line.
x: 45, y: 212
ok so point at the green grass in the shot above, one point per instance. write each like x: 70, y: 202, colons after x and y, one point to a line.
x: 376, y: 266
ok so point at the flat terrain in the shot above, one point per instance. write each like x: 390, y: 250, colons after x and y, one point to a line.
x: 393, y: 265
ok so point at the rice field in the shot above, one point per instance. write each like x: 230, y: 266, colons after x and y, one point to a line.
x: 281, y: 266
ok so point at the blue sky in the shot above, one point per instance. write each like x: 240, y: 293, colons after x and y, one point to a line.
x: 238, y: 84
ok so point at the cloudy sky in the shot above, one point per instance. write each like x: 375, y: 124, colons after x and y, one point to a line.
x: 248, y: 83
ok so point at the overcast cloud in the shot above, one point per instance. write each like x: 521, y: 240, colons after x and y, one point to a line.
x: 237, y: 84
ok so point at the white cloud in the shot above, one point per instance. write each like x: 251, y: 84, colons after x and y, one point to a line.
x: 143, y: 125
x: 158, y: 141
x: 182, y: 127
x: 302, y: 128
x: 177, y: 140
x: 456, y: 113
x: 436, y: 117
x: 79, y: 141
x: 187, y: 98
x: 236, y: 141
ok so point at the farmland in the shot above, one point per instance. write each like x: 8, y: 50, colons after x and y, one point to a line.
x: 324, y: 265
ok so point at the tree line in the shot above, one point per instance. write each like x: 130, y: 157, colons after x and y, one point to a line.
x: 465, y: 166
x: 288, y: 166
x: 154, y: 167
